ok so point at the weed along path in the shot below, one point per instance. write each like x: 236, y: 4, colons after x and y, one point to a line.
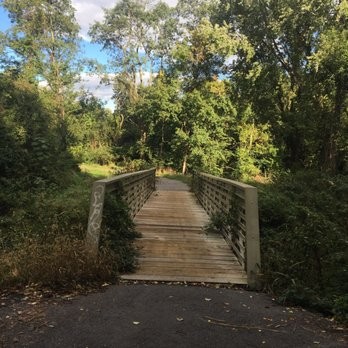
x: 162, y: 315
x: 174, y: 245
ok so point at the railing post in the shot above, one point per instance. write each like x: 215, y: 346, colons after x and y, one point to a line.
x: 252, y: 238
x: 95, y: 215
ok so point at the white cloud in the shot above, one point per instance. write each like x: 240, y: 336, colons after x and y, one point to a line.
x: 89, y: 11
x: 91, y: 82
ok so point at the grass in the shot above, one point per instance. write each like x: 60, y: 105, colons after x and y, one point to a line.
x: 97, y: 170
x: 187, y: 179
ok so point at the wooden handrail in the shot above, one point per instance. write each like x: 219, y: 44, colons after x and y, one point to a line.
x: 134, y: 188
x: 219, y: 195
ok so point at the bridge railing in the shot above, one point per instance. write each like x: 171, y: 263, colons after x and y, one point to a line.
x: 233, y: 198
x: 134, y: 188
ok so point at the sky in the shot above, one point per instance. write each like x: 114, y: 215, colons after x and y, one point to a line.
x: 87, y: 12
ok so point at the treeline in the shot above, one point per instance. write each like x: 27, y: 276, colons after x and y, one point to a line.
x: 253, y: 90
x: 235, y: 88
x: 242, y: 88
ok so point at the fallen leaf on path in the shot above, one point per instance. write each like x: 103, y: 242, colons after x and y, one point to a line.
x: 179, y: 319
x: 136, y: 322
x: 208, y: 299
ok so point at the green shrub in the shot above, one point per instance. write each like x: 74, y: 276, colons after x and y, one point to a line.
x: 118, y: 232
x: 46, y: 212
x: 303, y: 225
x: 100, y: 155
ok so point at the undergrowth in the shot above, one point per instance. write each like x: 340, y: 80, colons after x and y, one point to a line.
x: 304, y: 240
x: 42, y: 237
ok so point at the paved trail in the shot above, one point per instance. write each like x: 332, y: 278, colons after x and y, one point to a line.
x: 139, y: 315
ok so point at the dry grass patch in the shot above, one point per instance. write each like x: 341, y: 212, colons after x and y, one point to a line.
x: 65, y: 262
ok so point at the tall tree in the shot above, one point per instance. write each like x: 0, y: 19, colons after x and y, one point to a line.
x: 280, y: 80
x: 155, y: 117
x: 123, y: 34
x: 44, y: 36
x: 330, y: 63
x: 201, y: 137
x: 202, y: 56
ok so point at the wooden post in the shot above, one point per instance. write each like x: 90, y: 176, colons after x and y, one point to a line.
x: 95, y: 215
x: 252, y: 238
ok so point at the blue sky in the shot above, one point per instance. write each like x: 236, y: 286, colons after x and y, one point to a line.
x: 4, y: 20
x: 87, y: 12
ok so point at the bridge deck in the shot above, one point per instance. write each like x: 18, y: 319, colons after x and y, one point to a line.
x: 174, y: 246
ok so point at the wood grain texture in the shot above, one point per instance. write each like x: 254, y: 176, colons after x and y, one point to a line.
x: 174, y: 245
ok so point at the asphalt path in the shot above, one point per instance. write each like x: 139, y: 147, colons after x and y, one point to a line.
x: 141, y: 315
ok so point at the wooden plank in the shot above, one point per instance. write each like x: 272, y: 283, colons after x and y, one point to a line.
x: 198, y: 254
x: 188, y: 256
x: 202, y: 245
x: 194, y: 266
x: 180, y: 238
x: 174, y: 246
x: 188, y: 260
x: 206, y: 279
x: 188, y: 272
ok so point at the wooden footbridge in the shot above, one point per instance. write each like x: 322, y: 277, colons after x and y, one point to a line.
x: 171, y: 218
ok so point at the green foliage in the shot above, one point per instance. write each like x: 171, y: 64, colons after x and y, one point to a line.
x: 44, y: 38
x: 202, y: 55
x: 42, y: 238
x: 30, y: 140
x: 303, y: 220
x: 200, y: 139
x: 150, y: 122
x: 137, y: 37
x: 44, y: 200
x: 296, y: 80
x: 118, y: 232
x: 92, y: 131
x: 255, y: 153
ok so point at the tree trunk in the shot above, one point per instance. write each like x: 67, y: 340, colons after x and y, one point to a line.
x: 162, y: 141
x: 184, y: 165
x: 329, y: 151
